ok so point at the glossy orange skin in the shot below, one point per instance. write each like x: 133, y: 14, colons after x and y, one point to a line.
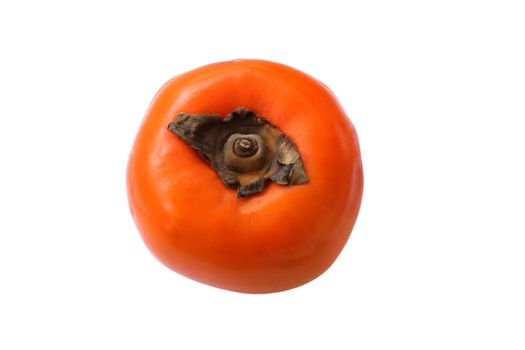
x: 273, y: 241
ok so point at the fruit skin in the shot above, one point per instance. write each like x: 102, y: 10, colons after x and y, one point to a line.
x: 276, y: 240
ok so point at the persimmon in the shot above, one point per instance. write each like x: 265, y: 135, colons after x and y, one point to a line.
x: 245, y: 175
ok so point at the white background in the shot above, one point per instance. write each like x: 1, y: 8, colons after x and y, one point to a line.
x: 436, y: 91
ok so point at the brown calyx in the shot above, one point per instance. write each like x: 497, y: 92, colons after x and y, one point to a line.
x: 243, y: 148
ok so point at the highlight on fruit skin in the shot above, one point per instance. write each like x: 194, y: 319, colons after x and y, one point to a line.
x: 245, y: 175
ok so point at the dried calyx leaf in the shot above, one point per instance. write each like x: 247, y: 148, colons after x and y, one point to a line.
x: 243, y: 148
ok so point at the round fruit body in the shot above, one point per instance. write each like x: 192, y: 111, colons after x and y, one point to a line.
x: 271, y: 241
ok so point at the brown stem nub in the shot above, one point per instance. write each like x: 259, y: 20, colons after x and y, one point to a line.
x: 243, y: 148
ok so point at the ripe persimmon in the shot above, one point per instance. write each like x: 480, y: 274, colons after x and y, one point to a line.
x: 245, y: 175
